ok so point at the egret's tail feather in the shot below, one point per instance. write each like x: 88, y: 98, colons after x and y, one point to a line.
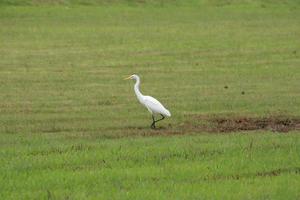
x: 168, y: 114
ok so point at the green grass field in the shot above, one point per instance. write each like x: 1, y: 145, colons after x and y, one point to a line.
x: 71, y: 127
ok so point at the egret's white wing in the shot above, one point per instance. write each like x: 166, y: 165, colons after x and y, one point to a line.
x: 155, y: 106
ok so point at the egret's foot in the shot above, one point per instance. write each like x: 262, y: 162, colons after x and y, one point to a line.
x: 153, y: 126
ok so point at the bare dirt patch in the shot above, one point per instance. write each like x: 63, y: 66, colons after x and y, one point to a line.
x: 212, y: 124
x: 204, y: 123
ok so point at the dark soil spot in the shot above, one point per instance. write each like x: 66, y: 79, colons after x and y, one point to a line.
x: 239, y: 123
x: 263, y: 6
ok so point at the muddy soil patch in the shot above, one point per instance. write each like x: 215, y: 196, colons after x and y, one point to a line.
x: 204, y: 123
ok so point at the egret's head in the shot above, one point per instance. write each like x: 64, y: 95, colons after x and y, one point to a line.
x: 134, y: 77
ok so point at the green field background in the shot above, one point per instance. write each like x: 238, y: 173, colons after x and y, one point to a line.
x: 71, y: 127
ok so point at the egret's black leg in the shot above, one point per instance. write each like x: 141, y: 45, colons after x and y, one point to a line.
x: 163, y: 117
x: 153, y: 123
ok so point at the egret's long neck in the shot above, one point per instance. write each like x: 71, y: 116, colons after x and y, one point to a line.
x: 137, y: 90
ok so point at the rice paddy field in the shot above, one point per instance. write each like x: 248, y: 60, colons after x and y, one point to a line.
x: 72, y: 128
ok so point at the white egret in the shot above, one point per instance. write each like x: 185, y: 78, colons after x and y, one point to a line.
x: 153, y: 106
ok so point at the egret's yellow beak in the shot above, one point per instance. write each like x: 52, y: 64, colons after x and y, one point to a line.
x: 127, y: 78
